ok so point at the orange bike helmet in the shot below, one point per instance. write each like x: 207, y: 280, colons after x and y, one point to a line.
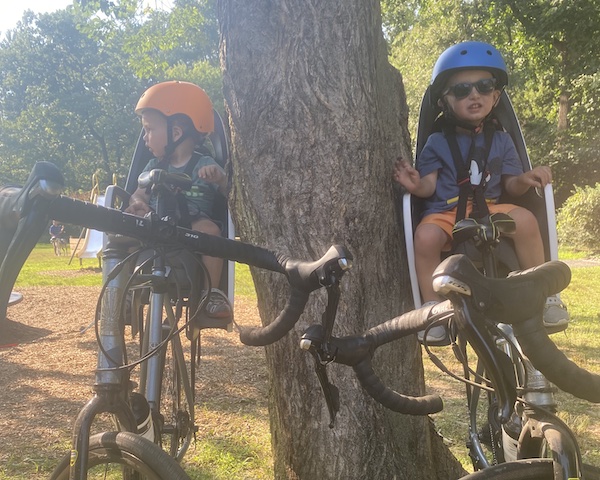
x: 171, y: 98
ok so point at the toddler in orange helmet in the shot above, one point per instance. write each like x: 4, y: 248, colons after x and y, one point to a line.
x: 176, y: 117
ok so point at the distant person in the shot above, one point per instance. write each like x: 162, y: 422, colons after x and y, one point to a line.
x: 176, y: 117
x: 467, y: 81
x: 57, y: 239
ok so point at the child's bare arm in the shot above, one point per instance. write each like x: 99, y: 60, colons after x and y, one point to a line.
x: 408, y: 176
x: 517, y: 185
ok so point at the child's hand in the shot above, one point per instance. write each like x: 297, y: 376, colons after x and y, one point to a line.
x: 137, y: 207
x: 538, y: 177
x: 212, y: 174
x: 406, y: 175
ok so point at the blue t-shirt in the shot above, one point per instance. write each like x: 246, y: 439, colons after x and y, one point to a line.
x: 202, y: 195
x: 436, y: 155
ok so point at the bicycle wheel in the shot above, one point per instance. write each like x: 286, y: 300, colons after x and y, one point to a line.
x: 124, y: 455
x: 530, y: 469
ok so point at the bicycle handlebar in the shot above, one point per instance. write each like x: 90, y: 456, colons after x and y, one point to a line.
x: 21, y: 211
x: 158, y: 176
x: 518, y: 299
x: 357, y: 352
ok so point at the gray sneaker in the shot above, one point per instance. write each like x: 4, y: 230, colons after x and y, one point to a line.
x: 218, y: 305
x: 556, y: 316
x: 436, y: 336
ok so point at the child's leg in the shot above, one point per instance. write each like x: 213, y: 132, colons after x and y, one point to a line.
x: 214, y: 265
x: 527, y: 238
x: 530, y: 252
x: 429, y: 241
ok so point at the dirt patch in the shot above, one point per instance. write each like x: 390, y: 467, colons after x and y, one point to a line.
x: 47, y: 371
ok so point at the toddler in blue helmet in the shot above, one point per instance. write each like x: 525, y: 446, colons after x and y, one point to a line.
x: 466, y: 84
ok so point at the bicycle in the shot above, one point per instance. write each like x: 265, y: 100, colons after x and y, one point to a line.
x: 130, y: 450
x: 476, y: 306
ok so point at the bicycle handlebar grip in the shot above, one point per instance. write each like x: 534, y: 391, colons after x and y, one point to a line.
x: 511, y: 300
x: 357, y: 351
x: 261, y: 336
x: 162, y: 177
x: 554, y: 364
x: 391, y: 399
x: 304, y: 277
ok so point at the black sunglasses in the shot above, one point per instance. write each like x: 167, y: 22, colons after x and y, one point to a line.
x: 485, y: 86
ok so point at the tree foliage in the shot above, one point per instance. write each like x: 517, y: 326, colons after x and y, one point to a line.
x: 69, y: 81
x: 552, y: 52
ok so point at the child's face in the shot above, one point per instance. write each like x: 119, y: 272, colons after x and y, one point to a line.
x: 475, y: 106
x: 155, y: 132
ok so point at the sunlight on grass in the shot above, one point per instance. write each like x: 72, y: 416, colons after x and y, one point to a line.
x: 231, y: 445
x: 244, y: 285
x: 43, y: 268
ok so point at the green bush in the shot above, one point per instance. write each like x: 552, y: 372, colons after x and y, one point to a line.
x: 578, y: 224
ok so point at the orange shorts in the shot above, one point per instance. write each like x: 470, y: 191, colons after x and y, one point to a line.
x: 446, y: 220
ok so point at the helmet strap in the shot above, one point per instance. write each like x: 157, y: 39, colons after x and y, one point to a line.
x: 172, y: 144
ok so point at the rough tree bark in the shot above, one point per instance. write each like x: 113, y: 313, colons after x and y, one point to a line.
x: 317, y: 116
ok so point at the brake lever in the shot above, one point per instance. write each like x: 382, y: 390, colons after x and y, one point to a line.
x: 312, y: 341
x: 316, y: 339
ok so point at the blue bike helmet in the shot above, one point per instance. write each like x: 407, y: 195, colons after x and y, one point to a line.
x: 467, y: 55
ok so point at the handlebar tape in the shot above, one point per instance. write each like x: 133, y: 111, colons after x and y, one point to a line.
x: 556, y: 367
x: 357, y: 351
x: 304, y: 277
x: 153, y: 230
x: 261, y: 336
x: 391, y: 399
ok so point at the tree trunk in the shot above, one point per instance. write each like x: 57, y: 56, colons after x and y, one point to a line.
x: 317, y: 117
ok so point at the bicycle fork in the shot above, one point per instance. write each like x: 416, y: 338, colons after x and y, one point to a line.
x: 537, y: 422
x: 110, y: 381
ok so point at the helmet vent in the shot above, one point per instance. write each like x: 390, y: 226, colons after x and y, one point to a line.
x: 488, y: 52
x: 463, y: 52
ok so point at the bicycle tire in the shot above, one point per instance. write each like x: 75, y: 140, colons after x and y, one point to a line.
x: 529, y: 469
x: 176, y: 403
x: 124, y: 455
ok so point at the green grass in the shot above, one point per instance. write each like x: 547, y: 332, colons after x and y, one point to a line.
x: 43, y: 268
x: 244, y: 285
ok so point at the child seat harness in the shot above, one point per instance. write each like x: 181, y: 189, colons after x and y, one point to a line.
x: 182, y: 214
x: 463, y: 170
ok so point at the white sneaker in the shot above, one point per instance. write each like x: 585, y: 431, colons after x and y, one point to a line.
x: 556, y: 316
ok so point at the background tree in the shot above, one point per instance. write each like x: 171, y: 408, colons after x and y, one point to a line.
x: 61, y: 96
x: 317, y: 117
x: 551, y: 49
x: 70, y: 80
